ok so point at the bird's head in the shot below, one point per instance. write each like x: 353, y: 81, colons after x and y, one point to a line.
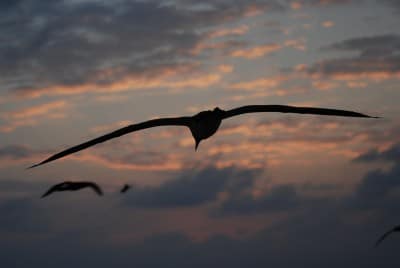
x: 218, y: 111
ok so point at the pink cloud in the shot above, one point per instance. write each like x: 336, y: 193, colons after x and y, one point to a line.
x: 238, y: 31
x: 169, y: 78
x: 328, y: 24
x: 256, y: 52
x: 33, y: 115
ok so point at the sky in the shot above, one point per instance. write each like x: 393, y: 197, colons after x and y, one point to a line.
x: 268, y: 190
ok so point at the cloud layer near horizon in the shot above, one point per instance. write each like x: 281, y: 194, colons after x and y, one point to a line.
x: 337, y: 229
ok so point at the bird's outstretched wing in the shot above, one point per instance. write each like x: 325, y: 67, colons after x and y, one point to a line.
x: 125, y: 188
x: 177, y: 121
x: 95, y: 187
x: 291, y: 109
x: 52, y: 189
x: 383, y: 237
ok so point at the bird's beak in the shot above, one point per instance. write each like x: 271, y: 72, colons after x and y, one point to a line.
x: 197, y: 144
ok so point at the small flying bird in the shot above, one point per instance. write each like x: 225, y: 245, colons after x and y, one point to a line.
x: 383, y: 237
x: 73, y: 186
x: 202, y: 125
x: 125, y: 188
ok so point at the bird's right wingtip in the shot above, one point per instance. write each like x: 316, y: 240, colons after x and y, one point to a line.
x: 35, y: 165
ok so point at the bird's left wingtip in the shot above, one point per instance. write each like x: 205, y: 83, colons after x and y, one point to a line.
x: 38, y: 164
x: 33, y: 166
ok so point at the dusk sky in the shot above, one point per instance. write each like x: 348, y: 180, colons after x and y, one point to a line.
x: 268, y: 190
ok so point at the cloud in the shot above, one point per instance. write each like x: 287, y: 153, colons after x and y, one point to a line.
x: 78, y: 47
x: 328, y: 2
x: 376, y: 60
x: 295, y: 5
x: 299, y: 44
x: 139, y: 161
x: 40, y: 110
x: 251, y: 143
x: 282, y: 198
x: 261, y: 83
x: 256, y: 51
x: 33, y: 115
x: 240, y: 30
x: 16, y: 152
x: 328, y: 24
x: 334, y: 232
x: 223, y: 47
x: 187, y: 190
x: 337, y: 229
x: 393, y: 3
x: 379, y: 190
x: 87, y: 46
x: 167, y: 77
x: 390, y: 154
x: 380, y: 45
x: 324, y: 85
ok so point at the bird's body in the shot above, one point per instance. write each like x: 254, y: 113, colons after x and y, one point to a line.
x: 125, y: 188
x: 203, y: 124
x: 385, y: 235
x: 73, y: 186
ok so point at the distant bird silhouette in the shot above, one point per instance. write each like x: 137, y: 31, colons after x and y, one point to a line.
x: 202, y: 125
x: 73, y: 186
x: 383, y: 237
x: 125, y: 188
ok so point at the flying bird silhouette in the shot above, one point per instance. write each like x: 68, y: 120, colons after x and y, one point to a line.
x: 202, y: 125
x: 125, y: 188
x: 73, y: 186
x: 383, y: 237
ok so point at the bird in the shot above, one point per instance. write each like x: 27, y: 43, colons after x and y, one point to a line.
x: 202, y: 125
x: 125, y: 188
x: 383, y: 237
x: 73, y: 186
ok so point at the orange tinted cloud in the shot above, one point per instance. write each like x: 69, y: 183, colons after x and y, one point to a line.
x: 299, y: 44
x: 357, y: 84
x: 169, y: 78
x: 170, y: 163
x: 253, y: 10
x: 328, y: 24
x: 256, y: 52
x: 40, y: 110
x: 104, y: 128
x: 296, y: 5
x: 324, y: 85
x: 250, y: 144
x: 264, y: 93
x: 224, y: 68
x: 33, y: 115
x: 376, y: 76
x: 262, y: 83
x: 241, y: 30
